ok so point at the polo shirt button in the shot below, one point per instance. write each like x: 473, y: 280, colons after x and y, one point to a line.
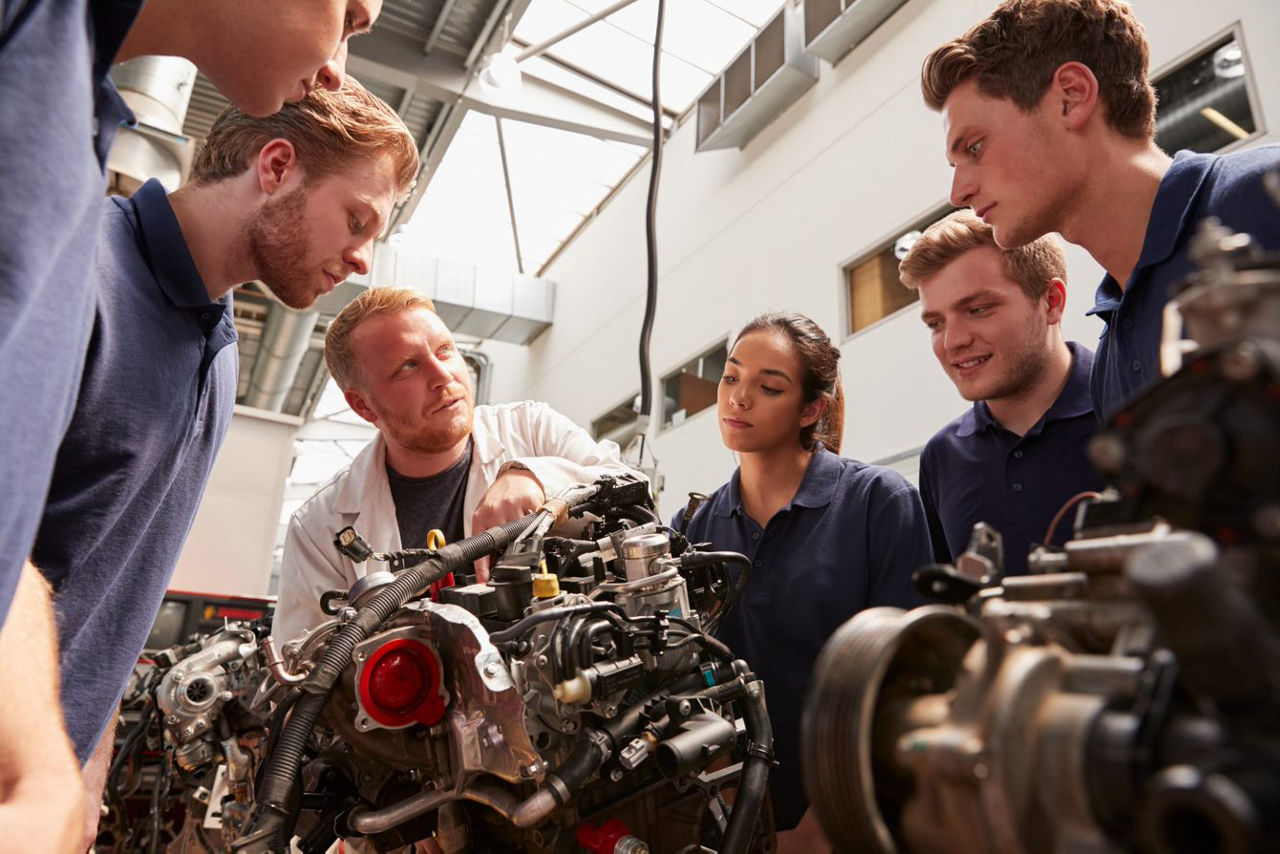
x: 757, y: 563
x: 756, y: 535
x: 1137, y: 366
x: 1017, y: 487
x: 1127, y: 323
x: 1017, y: 455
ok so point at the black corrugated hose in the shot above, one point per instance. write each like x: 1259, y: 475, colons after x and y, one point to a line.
x: 273, y: 826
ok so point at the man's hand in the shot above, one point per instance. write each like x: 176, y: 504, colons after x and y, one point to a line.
x: 516, y: 493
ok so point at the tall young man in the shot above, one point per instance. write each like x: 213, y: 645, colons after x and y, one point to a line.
x: 994, y: 316
x: 1050, y: 125
x: 59, y: 116
x: 439, y: 460
x: 294, y: 200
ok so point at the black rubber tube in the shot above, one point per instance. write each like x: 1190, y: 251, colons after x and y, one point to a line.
x: 755, y: 772
x: 272, y: 827
x: 692, y: 559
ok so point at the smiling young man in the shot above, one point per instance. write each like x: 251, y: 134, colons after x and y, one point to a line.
x: 1020, y: 452
x: 294, y: 200
x: 439, y: 460
x: 60, y: 113
x: 1050, y: 126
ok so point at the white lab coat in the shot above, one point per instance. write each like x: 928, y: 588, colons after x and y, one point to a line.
x: 527, y: 434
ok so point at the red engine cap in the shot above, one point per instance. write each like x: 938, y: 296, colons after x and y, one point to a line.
x: 401, y: 683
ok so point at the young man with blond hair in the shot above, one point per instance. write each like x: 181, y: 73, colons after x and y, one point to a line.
x: 294, y: 200
x: 439, y: 460
x: 1050, y: 126
x: 1015, y: 457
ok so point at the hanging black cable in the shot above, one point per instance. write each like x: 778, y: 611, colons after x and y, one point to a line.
x: 651, y: 232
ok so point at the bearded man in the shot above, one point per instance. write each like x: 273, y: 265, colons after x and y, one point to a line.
x: 439, y: 460
x: 1019, y: 453
x: 294, y: 200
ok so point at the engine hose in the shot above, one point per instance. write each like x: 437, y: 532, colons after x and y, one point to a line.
x: 272, y: 828
x: 755, y: 772
x: 695, y: 559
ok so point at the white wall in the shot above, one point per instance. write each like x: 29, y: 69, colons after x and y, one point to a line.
x: 852, y: 163
x: 230, y: 548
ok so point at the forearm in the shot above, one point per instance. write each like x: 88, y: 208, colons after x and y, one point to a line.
x: 41, y: 791
x: 31, y: 729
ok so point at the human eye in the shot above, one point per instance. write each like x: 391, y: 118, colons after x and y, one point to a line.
x: 769, y: 390
x: 974, y: 148
x: 728, y: 379
x: 933, y: 324
x: 980, y: 310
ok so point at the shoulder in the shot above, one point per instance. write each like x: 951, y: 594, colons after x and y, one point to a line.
x: 871, y: 484
x: 508, y: 414
x: 717, y: 504
x: 1236, y: 194
x: 321, y: 504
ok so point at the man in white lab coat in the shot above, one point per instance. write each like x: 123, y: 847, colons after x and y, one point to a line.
x: 439, y: 461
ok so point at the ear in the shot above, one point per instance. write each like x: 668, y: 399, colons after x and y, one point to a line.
x: 277, y: 166
x: 1055, y: 299
x: 360, y: 406
x: 812, y: 412
x: 1074, y: 94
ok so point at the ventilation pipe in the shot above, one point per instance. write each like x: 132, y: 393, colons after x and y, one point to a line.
x: 157, y: 90
x: 286, y: 337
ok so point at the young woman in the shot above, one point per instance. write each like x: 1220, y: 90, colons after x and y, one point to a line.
x: 827, y: 536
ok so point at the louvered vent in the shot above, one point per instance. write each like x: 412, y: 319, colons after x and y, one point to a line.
x: 758, y: 85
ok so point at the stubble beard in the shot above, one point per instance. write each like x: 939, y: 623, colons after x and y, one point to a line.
x: 277, y: 246
x: 430, y: 439
x: 1027, y: 365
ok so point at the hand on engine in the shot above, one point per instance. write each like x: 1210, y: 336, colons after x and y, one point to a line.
x: 517, y: 492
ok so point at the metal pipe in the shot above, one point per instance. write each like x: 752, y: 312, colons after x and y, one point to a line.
x: 275, y: 663
x: 511, y: 205
x: 370, y: 822
x: 542, y: 46
x: 286, y: 337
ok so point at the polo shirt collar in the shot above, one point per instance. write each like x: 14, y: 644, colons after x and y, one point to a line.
x: 816, y: 490
x: 1073, y: 400
x: 1171, y: 213
x: 166, y: 249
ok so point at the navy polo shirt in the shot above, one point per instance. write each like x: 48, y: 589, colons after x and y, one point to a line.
x: 158, y: 391
x: 973, y: 470
x: 850, y: 539
x: 58, y: 114
x: 1196, y: 186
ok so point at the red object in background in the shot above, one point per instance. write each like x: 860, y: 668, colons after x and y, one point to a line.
x: 437, y: 586
x: 602, y: 839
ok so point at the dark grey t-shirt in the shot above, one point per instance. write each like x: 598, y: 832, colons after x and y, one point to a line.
x: 423, y: 503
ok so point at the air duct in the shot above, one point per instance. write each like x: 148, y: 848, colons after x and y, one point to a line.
x: 157, y: 90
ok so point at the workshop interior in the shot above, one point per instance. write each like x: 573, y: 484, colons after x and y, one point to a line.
x: 616, y: 205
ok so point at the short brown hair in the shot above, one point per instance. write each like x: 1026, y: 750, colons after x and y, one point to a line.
x: 1015, y: 52
x: 327, y: 129
x: 339, y: 355
x: 1032, y: 266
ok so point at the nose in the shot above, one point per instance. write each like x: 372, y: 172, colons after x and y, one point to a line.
x: 962, y: 189
x: 437, y: 372
x: 334, y: 70
x: 359, y: 257
x: 957, y: 336
x: 738, y: 397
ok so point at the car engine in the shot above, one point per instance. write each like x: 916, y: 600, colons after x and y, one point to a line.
x: 183, y: 771
x: 1125, y: 694
x: 575, y: 701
